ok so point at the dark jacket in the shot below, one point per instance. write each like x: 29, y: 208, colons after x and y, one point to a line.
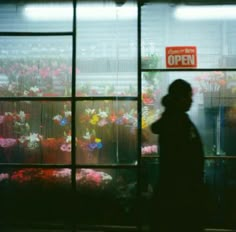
x: 179, y: 190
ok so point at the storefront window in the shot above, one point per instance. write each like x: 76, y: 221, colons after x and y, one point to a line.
x: 35, y: 66
x: 76, y: 106
x: 106, y: 48
x: 193, y: 42
x: 101, y: 191
x: 36, y: 16
x: 169, y: 25
x: 212, y: 108
x: 35, y: 132
x: 106, y: 132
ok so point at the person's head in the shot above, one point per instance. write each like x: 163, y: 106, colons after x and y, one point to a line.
x: 179, y: 96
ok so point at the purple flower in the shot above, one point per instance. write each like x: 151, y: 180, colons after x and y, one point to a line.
x: 92, y: 146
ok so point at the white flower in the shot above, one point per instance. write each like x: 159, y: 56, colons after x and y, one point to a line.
x: 67, y: 113
x: 26, y: 93
x: 105, y: 176
x: 90, y: 111
x: 35, y: 89
x: 33, y: 137
x: 57, y: 117
x: 127, y: 116
x: 22, y: 139
x: 65, y: 172
x: 22, y: 115
x: 8, y: 113
x: 68, y: 139
x: 103, y: 114
x: 87, y: 135
x: 12, y: 87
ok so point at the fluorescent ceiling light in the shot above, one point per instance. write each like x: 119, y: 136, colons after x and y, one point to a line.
x: 48, y: 12
x: 217, y: 12
x: 84, y: 12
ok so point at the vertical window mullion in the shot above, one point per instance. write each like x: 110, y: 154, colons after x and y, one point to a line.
x: 139, y: 106
x: 73, y: 103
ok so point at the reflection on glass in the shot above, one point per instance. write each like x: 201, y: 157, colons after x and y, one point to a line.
x: 106, y: 131
x: 106, y: 48
x: 34, y: 16
x: 213, y: 35
x: 103, y: 190
x: 213, y: 109
x: 35, y: 67
x: 220, y: 177
x: 35, y: 132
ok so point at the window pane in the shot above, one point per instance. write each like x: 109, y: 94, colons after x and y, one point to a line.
x: 153, y: 85
x: 39, y: 16
x: 106, y: 48
x: 213, y: 109
x: 103, y: 191
x: 35, y: 132
x: 164, y: 25
x: 35, y: 66
x: 220, y: 179
x: 35, y: 195
x: 106, y: 132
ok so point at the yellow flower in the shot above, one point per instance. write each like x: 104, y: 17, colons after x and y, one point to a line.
x: 94, y: 119
x: 144, y: 123
x: 97, y: 140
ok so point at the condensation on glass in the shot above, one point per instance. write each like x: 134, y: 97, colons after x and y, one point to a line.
x: 214, y: 91
x: 106, y: 132
x: 106, y: 48
x: 35, y: 132
x: 212, y: 110
x: 169, y: 25
x: 35, y: 66
x: 36, y: 16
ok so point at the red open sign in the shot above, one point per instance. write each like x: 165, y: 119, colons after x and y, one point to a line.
x: 181, y: 57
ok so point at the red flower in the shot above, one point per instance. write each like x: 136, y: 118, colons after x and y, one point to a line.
x: 147, y: 99
x: 112, y: 117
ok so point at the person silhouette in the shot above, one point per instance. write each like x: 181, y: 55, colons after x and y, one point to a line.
x: 177, y: 204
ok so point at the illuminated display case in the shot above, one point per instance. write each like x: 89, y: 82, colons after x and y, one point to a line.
x: 77, y: 98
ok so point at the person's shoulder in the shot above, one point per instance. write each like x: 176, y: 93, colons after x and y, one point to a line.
x: 164, y: 124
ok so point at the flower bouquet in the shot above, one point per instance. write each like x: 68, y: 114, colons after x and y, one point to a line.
x: 91, y: 179
x: 213, y: 87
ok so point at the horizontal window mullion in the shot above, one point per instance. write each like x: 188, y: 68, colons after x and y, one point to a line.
x: 106, y: 166
x: 188, y: 70
x: 67, y: 98
x: 77, y: 166
x: 205, y: 157
x: 35, y: 98
x: 67, y: 33
x: 33, y: 165
x: 106, y: 98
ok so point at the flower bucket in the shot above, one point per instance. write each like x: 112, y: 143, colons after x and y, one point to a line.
x: 63, y: 157
x: 49, y: 150
x: 32, y: 155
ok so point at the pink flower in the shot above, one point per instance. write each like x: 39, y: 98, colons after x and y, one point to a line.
x: 149, y: 149
x: 102, y: 122
x: 94, y: 177
x: 66, y: 147
x: 2, y: 117
x: 154, y: 148
x: 8, y: 142
x: 4, y: 176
